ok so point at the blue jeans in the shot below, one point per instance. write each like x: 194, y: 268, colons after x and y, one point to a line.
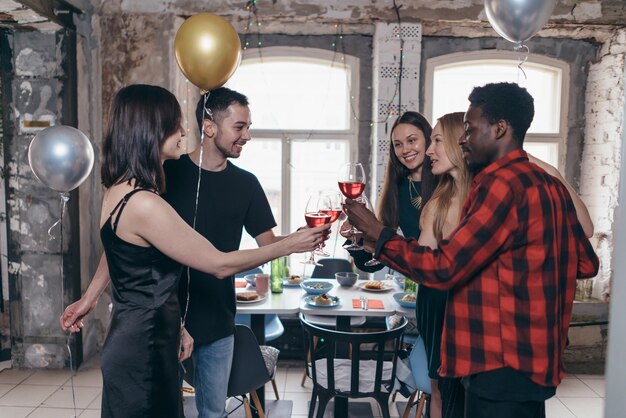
x: 211, y: 367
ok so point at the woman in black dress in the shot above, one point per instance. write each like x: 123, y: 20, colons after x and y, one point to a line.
x: 145, y: 244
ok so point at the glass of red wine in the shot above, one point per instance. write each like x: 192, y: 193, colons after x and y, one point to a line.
x: 332, y: 201
x: 351, y: 184
x: 315, y: 216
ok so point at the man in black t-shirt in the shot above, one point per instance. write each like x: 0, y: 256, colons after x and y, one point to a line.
x: 229, y: 200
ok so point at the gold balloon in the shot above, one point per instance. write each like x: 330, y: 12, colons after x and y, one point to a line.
x: 208, y: 50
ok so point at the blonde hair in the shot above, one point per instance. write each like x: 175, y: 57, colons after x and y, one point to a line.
x: 448, y: 188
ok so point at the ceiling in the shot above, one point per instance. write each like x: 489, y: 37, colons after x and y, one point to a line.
x: 41, y: 15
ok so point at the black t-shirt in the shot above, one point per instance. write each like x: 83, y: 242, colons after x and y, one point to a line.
x: 229, y: 200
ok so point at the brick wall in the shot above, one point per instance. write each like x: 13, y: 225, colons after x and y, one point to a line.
x: 604, y: 115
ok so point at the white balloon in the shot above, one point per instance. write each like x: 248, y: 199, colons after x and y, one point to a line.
x: 518, y: 20
x: 61, y: 157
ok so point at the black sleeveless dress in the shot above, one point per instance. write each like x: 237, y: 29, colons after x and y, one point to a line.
x: 140, y: 356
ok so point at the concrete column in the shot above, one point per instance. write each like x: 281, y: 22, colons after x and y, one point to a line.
x: 41, y: 93
x: 388, y: 91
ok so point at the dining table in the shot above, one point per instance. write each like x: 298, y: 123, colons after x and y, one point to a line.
x: 292, y: 301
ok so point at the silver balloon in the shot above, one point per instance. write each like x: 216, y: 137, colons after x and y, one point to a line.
x: 518, y: 20
x: 61, y: 157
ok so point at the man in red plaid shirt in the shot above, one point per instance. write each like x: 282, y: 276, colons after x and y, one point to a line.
x: 510, y: 266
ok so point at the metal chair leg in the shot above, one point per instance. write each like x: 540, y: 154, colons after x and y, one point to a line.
x: 308, y: 360
x: 257, y: 404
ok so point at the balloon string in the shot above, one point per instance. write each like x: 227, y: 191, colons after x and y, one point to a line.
x: 65, y: 197
x: 522, y: 57
x: 195, y: 211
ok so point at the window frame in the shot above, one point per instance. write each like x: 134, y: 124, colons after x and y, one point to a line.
x: 560, y: 138
x: 350, y: 135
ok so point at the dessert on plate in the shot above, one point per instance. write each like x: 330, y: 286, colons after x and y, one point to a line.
x: 322, y: 299
x: 375, y: 284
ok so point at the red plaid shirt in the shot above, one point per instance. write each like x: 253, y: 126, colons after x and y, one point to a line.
x: 511, y: 267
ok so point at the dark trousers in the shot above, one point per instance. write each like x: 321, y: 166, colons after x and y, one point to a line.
x: 452, y: 397
x: 478, y: 407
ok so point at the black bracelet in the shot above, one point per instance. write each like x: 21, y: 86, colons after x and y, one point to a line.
x: 385, y: 235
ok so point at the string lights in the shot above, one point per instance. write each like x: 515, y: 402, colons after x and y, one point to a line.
x: 339, y: 58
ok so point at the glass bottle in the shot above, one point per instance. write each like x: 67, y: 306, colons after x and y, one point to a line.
x: 277, y: 272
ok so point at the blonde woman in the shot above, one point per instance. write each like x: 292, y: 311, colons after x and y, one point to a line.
x: 439, y: 217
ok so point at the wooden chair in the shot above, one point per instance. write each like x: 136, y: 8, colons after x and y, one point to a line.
x: 367, y: 374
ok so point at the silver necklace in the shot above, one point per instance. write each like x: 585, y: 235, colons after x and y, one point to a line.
x: 416, y: 200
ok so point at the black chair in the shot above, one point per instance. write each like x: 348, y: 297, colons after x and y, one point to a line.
x: 330, y: 266
x: 253, y: 367
x: 327, y: 270
x: 368, y: 374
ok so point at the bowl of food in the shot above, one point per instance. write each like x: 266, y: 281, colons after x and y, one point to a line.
x: 315, y: 287
x: 292, y: 281
x: 346, y: 278
x: 406, y: 300
x: 251, y: 279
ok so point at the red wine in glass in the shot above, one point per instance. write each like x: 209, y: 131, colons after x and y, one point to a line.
x: 334, y: 214
x: 351, y: 183
x: 314, y: 219
x: 351, y: 189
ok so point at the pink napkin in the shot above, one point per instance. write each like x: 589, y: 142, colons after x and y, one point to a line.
x: 371, y: 304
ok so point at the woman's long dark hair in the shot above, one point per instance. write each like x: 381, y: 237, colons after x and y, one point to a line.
x: 396, y: 171
x: 140, y: 119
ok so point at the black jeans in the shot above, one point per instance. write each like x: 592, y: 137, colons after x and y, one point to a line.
x: 452, y: 397
x: 479, y: 407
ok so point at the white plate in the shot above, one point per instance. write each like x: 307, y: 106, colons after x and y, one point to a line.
x: 261, y: 298
x: 310, y: 300
x: 386, y: 288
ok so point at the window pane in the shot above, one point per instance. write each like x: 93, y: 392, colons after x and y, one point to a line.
x: 295, y: 93
x: 453, y: 83
x: 548, y: 152
x: 314, y: 166
x: 262, y: 157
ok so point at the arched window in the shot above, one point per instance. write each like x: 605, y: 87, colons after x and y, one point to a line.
x: 304, y: 124
x: 451, y: 78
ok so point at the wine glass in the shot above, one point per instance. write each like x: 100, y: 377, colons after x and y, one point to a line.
x: 314, y: 216
x: 351, y: 184
x: 364, y: 200
x: 331, y: 205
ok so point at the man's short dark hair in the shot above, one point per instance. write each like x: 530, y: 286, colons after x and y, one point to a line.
x: 505, y: 101
x: 218, y: 101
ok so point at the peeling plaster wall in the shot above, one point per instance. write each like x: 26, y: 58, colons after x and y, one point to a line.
x: 357, y: 11
x: 604, y: 100
x: 37, y: 83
